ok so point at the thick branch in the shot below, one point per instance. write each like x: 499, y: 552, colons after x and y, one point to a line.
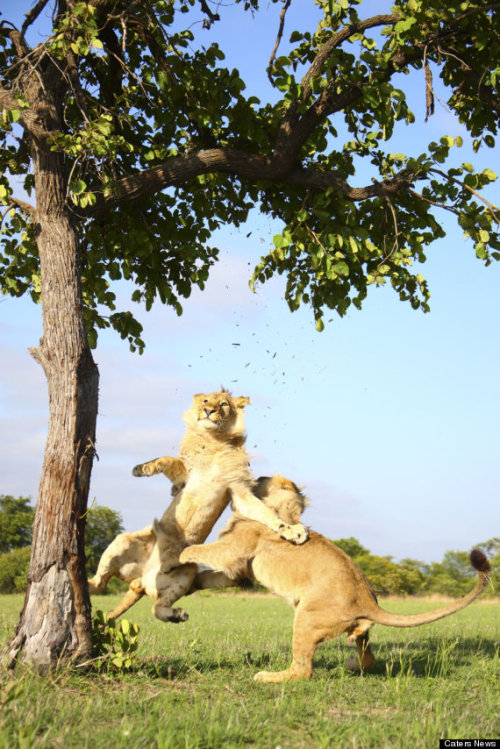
x: 239, y: 164
x: 336, y: 40
x: 29, y: 119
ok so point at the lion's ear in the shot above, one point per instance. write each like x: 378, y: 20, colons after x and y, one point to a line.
x: 241, y: 401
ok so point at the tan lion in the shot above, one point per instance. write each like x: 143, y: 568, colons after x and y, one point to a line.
x: 327, y: 589
x: 211, y: 470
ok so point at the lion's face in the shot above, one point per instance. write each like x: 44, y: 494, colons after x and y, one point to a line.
x: 217, y: 411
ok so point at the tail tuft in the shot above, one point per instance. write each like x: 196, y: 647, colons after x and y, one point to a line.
x: 479, y: 561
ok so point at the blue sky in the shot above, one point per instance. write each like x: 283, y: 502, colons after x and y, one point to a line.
x: 389, y: 418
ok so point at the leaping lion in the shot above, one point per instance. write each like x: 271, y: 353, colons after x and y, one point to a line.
x: 211, y: 471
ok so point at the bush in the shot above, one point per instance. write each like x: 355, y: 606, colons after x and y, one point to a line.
x: 14, y: 570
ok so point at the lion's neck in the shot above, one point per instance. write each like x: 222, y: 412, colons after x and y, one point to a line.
x: 195, y: 442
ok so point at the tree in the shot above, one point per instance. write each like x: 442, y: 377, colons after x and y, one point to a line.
x: 138, y: 143
x: 103, y: 524
x: 352, y: 547
x: 16, y: 520
x: 14, y: 569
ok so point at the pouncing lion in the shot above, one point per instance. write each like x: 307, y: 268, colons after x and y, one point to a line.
x: 211, y: 470
x: 328, y: 591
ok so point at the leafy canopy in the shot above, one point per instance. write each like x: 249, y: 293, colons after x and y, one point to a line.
x: 163, y: 146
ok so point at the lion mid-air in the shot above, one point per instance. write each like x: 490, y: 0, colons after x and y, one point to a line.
x: 328, y: 591
x: 211, y: 470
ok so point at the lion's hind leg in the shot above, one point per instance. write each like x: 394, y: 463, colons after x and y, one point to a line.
x: 98, y: 583
x: 133, y: 594
x: 170, y: 586
x: 309, y: 630
x: 109, y: 564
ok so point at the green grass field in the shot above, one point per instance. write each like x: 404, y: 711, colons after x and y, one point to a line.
x: 194, y: 687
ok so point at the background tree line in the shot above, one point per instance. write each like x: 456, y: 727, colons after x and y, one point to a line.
x: 16, y: 521
x: 452, y: 576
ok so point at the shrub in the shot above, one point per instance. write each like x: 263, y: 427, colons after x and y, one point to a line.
x: 14, y: 570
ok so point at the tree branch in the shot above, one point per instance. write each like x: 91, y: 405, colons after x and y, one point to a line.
x: 278, y: 40
x: 211, y: 17
x: 296, y: 128
x: 178, y: 170
x: 491, y: 206
x: 25, y: 207
x: 337, y: 39
x: 32, y: 15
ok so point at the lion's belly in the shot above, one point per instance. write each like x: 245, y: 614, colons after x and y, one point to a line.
x: 281, y: 572
x: 203, y: 500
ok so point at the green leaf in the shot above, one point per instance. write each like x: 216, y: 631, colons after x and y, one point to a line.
x: 125, y: 626
x: 78, y: 186
x: 341, y: 268
x: 481, y: 251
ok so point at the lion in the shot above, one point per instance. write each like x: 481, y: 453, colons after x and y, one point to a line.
x: 328, y: 591
x: 211, y: 470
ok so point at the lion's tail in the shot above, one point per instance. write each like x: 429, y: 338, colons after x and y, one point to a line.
x: 478, y: 561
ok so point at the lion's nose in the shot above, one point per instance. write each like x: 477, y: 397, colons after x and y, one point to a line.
x: 208, y: 411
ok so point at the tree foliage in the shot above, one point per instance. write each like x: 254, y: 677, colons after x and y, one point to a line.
x: 139, y: 141
x: 16, y: 520
x: 14, y: 570
x: 103, y: 525
x: 453, y: 576
x: 162, y: 145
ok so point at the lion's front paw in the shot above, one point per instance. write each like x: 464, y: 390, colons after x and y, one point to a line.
x: 143, y: 469
x: 297, y: 534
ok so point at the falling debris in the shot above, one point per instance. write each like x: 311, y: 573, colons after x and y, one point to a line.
x: 236, y: 344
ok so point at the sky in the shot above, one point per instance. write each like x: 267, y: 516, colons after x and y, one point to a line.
x: 389, y: 418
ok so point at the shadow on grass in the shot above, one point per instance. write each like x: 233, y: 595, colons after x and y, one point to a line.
x: 431, y: 657
x: 167, y: 667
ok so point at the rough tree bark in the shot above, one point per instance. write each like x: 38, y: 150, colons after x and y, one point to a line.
x: 56, y: 617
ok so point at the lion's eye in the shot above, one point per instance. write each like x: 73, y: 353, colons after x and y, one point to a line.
x: 206, y: 400
x: 224, y: 404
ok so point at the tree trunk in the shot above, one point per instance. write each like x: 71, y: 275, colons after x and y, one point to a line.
x: 55, y: 622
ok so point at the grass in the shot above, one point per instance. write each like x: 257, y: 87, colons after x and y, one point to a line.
x: 194, y: 689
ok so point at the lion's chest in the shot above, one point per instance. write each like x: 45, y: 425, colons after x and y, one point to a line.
x: 222, y: 466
